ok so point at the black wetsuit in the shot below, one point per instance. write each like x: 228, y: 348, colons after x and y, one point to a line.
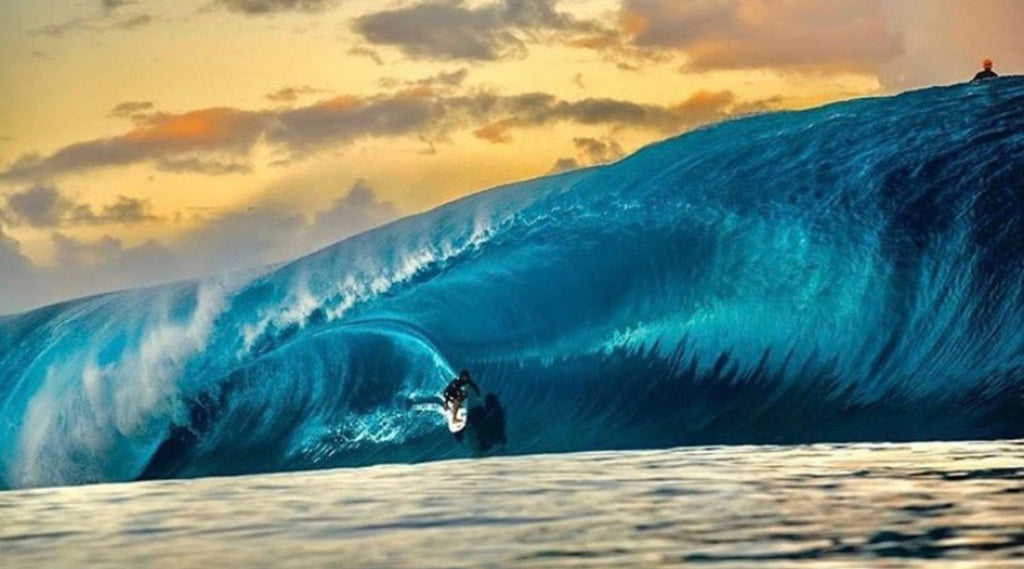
x: 456, y: 390
x: 986, y: 74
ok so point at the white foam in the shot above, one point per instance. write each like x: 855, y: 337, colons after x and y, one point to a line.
x: 357, y: 288
x: 74, y: 424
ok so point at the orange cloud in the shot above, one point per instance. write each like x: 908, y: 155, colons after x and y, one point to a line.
x: 204, y: 127
x: 596, y: 42
x: 743, y: 34
x: 633, y: 23
x: 338, y: 103
x: 418, y: 92
x: 495, y: 133
x: 156, y: 136
x: 210, y: 141
x: 291, y: 94
x: 705, y: 101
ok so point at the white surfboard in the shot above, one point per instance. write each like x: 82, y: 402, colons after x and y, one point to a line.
x: 456, y: 421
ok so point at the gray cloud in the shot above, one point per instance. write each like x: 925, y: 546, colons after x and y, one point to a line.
x: 222, y: 243
x: 353, y: 213
x: 131, y: 109
x: 541, y: 109
x: 263, y: 7
x: 125, y: 210
x: 723, y: 34
x: 105, y: 18
x: 44, y: 206
x: 211, y: 141
x: 231, y: 241
x: 455, y: 30
x: 68, y: 26
x: 590, y: 151
x: 114, y: 4
x: 39, y: 206
x: 157, y: 136
x: 228, y: 241
x: 291, y: 94
x: 17, y: 275
x: 345, y: 119
x: 133, y: 22
x: 446, y: 80
x: 200, y: 166
x: 367, y: 52
x: 111, y: 257
x: 596, y: 151
x: 80, y: 268
x: 564, y: 165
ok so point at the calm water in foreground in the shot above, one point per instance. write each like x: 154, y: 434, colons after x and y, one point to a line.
x: 900, y: 505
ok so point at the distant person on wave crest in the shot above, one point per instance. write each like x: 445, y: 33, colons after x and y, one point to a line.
x: 987, y: 73
x: 455, y: 394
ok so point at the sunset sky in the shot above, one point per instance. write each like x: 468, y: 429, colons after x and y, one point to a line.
x: 145, y: 141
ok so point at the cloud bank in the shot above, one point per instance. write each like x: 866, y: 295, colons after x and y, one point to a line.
x: 739, y: 34
x: 218, y: 141
x: 226, y: 242
x: 264, y: 7
x: 44, y: 206
x: 107, y: 17
x: 448, y: 30
x: 590, y: 151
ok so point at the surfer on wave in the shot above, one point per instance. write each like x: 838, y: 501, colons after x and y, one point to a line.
x: 455, y: 394
x: 987, y: 72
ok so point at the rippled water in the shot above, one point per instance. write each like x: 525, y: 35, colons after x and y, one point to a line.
x: 891, y: 505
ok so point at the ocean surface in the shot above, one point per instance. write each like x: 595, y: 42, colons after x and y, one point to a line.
x: 814, y: 506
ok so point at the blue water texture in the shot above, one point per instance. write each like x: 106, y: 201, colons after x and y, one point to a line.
x: 853, y: 272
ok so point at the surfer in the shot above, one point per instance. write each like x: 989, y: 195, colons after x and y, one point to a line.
x: 986, y: 73
x: 455, y: 394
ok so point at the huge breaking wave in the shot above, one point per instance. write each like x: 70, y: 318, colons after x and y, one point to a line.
x: 853, y: 272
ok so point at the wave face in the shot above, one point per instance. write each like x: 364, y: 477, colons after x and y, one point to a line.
x: 849, y: 273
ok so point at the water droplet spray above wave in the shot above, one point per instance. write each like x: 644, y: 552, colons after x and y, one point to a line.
x: 852, y: 272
